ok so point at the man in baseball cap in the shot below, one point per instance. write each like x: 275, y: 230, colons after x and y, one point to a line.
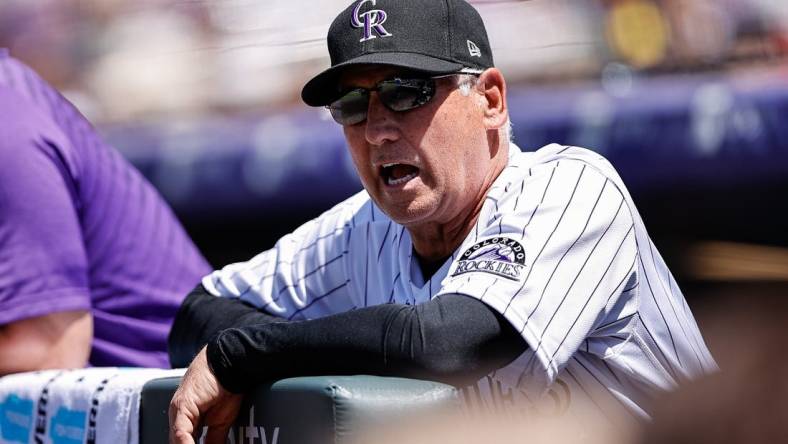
x: 527, y: 277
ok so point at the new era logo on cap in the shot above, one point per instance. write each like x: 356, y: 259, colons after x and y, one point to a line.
x: 370, y: 20
x: 474, y: 50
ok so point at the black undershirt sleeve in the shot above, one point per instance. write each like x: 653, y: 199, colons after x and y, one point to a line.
x: 454, y: 339
x: 201, y: 317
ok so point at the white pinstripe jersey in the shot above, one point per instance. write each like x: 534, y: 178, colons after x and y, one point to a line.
x: 559, y: 248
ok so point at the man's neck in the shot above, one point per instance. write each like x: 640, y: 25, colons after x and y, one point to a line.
x: 434, y: 242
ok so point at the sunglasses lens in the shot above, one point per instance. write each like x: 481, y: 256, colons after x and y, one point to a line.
x: 351, y: 108
x: 402, y: 95
x: 396, y: 95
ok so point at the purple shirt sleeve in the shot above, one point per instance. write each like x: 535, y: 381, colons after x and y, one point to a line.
x: 43, y: 265
x: 80, y: 228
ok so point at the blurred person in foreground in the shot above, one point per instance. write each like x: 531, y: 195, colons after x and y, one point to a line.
x: 745, y: 402
x: 93, y: 263
x: 527, y: 279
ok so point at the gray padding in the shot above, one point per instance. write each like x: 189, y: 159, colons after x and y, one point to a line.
x: 308, y: 410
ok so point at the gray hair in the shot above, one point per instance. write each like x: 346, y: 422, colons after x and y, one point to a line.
x: 466, y: 82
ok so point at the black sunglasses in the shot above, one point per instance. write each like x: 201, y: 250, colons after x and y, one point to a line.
x: 396, y: 94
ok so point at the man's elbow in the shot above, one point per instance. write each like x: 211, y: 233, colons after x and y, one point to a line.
x: 461, y: 358
x: 455, y: 366
x: 57, y: 340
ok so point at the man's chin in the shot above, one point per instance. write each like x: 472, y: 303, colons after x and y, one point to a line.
x: 410, y: 216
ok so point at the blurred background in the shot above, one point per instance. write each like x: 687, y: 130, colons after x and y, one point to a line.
x: 687, y: 98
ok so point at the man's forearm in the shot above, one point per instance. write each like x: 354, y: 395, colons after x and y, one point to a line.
x: 453, y: 338
x: 201, y: 317
x: 56, y: 340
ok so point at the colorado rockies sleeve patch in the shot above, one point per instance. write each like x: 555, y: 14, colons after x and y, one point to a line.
x: 499, y: 256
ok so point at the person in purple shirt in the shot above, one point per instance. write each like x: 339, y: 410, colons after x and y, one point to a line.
x: 93, y: 263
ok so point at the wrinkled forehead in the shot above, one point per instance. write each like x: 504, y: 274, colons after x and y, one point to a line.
x: 366, y: 76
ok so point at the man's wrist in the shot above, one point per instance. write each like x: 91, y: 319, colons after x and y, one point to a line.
x: 222, y: 368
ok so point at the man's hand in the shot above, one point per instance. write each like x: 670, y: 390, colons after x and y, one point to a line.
x: 202, y: 401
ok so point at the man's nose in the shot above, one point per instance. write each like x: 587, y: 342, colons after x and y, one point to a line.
x: 380, y: 125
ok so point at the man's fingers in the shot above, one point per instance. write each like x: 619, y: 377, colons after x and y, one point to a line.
x: 181, y: 437
x: 221, y: 420
x: 182, y: 425
x: 201, y: 399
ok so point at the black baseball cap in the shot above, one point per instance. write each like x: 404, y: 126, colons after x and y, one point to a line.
x: 430, y: 36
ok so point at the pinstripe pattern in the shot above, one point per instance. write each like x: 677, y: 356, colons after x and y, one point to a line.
x: 578, y: 303
x: 583, y: 309
x: 589, y: 252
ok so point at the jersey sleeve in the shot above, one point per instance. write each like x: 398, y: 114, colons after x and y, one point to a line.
x: 43, y: 264
x: 552, y: 258
x: 306, y: 275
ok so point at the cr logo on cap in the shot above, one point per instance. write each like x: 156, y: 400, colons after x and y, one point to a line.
x: 372, y: 19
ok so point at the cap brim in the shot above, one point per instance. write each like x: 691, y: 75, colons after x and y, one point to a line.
x: 322, y: 89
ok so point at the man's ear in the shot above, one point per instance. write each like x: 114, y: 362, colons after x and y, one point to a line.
x: 492, y: 86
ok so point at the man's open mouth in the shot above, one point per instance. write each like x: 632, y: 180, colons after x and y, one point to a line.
x: 394, y: 174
